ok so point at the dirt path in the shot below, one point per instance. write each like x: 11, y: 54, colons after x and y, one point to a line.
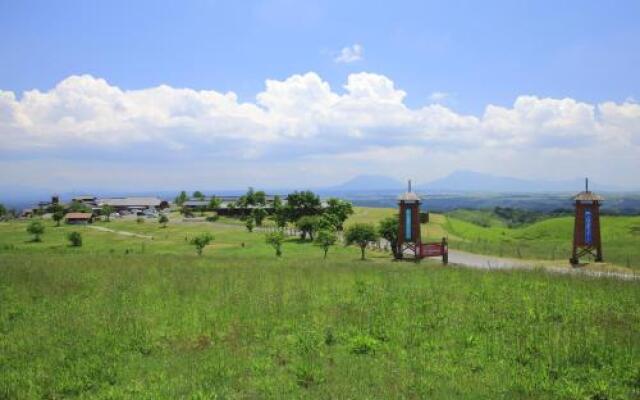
x: 123, y: 233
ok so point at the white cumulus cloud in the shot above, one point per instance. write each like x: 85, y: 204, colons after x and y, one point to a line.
x: 84, y: 118
x: 350, y: 54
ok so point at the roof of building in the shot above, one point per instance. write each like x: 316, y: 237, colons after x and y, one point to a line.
x: 130, y: 201
x: 196, y: 203
x: 84, y: 197
x: 588, y: 196
x: 78, y: 215
x: 409, y: 196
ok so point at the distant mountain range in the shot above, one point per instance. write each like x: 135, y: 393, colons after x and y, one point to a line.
x: 367, y: 183
x: 470, y: 182
x: 460, y: 183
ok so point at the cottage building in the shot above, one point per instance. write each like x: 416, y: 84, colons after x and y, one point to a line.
x: 78, y: 218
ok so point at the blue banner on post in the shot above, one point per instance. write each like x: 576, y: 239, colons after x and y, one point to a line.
x: 408, y: 226
x: 587, y: 227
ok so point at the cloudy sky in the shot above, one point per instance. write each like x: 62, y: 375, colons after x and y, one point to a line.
x: 226, y: 94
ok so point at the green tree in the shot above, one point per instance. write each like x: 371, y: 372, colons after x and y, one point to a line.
x: 106, y: 210
x: 277, y: 202
x: 339, y: 210
x: 3, y: 211
x: 247, y: 199
x: 280, y: 217
x: 214, y: 203
x: 77, y: 206
x: 36, y: 229
x: 388, y: 229
x: 307, y: 226
x: 326, y: 238
x: 260, y: 198
x: 301, y: 204
x: 181, y: 198
x: 275, y: 240
x: 58, y: 213
x: 75, y: 238
x: 57, y: 217
x: 201, y: 241
x: 249, y: 224
x: 259, y: 214
x: 163, y: 220
x: 198, y: 195
x: 360, y: 234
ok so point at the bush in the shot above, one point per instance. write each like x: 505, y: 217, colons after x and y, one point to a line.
x: 275, y: 239
x: 201, y: 241
x: 249, y: 225
x: 140, y: 220
x: 213, y: 218
x: 36, y: 229
x: 163, y: 220
x: 75, y: 238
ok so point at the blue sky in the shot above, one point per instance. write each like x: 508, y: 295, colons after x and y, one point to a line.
x: 562, y: 78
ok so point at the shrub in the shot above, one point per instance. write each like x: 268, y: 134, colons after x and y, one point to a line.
x: 275, y: 239
x: 249, y: 224
x: 201, y: 241
x: 163, y: 220
x: 213, y: 218
x: 140, y: 220
x: 388, y: 229
x: 363, y: 344
x: 75, y: 238
x: 36, y: 229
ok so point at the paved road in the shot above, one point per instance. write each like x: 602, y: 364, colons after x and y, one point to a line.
x: 471, y: 260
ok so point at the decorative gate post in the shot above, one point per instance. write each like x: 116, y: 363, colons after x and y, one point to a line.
x: 586, y: 228
x: 409, y: 226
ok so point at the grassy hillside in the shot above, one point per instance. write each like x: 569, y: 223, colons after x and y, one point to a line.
x: 547, y: 239
x: 126, y: 317
x: 483, y: 232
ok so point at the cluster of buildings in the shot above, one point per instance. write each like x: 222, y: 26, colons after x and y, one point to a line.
x: 143, y: 206
x: 229, y: 205
x: 92, y: 206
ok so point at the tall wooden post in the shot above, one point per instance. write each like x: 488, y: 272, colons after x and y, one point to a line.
x: 409, y: 224
x: 586, y: 228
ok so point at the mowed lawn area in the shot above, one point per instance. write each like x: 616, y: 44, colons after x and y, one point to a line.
x: 126, y: 317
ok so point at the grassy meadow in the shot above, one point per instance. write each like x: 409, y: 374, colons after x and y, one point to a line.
x: 130, y: 317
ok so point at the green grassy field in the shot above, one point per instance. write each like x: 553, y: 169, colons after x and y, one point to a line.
x: 548, y: 239
x: 126, y: 317
x: 481, y: 232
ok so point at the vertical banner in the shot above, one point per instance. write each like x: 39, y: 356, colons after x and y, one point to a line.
x: 408, y: 226
x: 587, y: 227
